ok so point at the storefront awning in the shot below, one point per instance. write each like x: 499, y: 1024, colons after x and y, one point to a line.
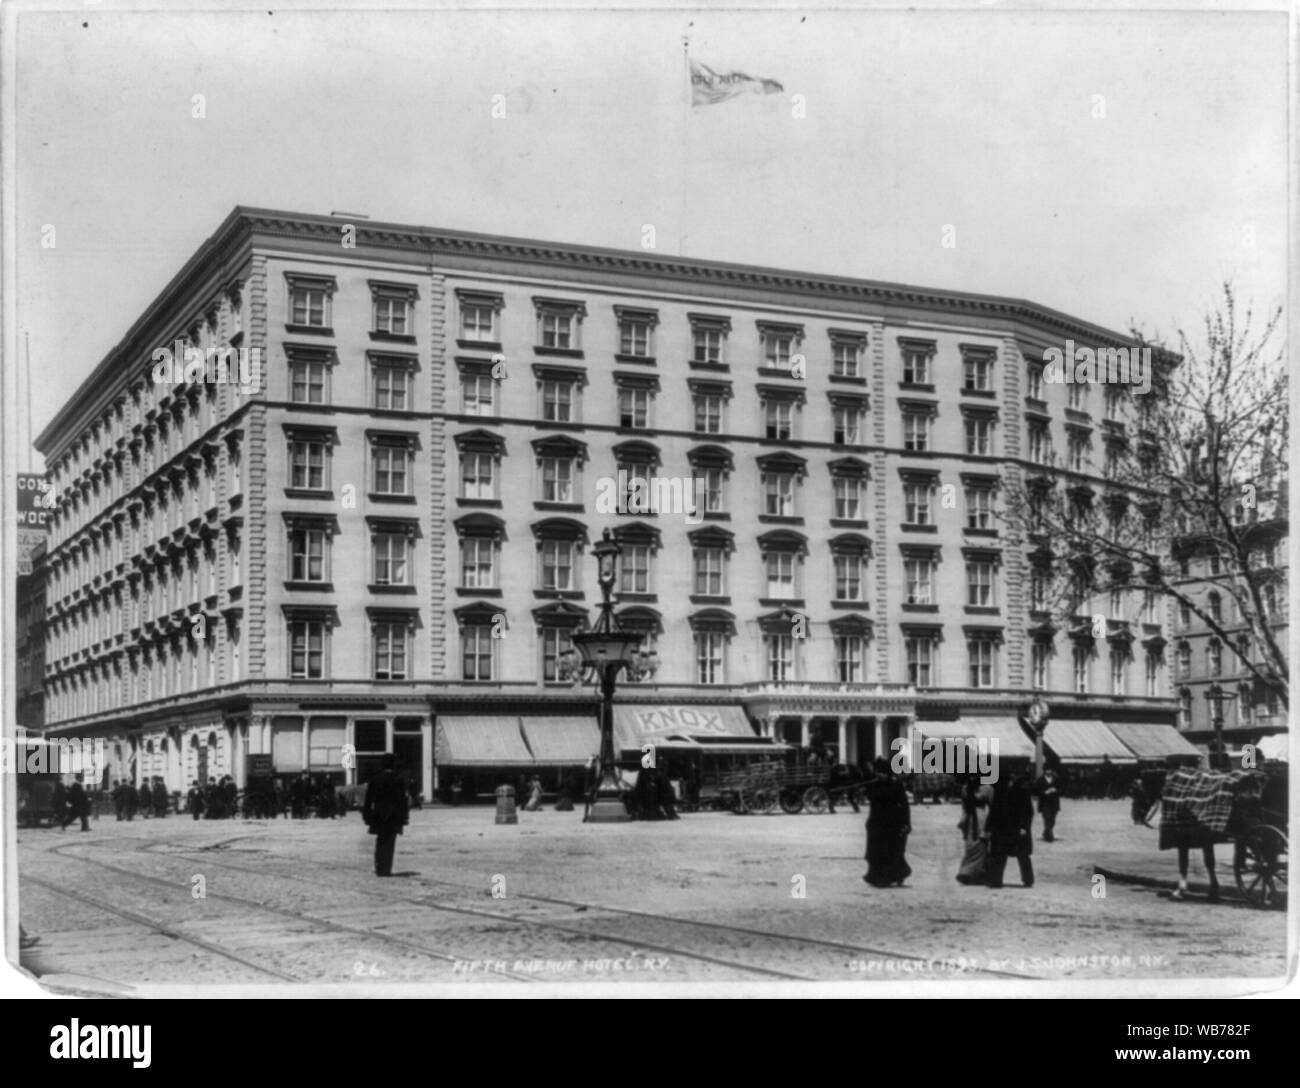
x: 640, y: 724
x: 569, y: 740
x: 1012, y: 742
x: 1277, y: 746
x: 1085, y: 742
x: 480, y: 740
x: 1153, y: 742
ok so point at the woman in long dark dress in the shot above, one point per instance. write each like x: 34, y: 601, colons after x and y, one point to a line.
x: 888, y: 826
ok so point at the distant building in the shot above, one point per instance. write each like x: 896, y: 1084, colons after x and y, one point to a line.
x: 382, y: 540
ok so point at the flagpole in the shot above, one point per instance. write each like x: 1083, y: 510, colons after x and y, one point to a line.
x: 685, y: 147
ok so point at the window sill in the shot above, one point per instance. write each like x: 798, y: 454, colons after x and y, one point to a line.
x: 391, y: 337
x: 559, y: 595
x: 309, y: 330
x: 993, y: 533
x: 846, y: 379
x: 987, y: 394
x: 719, y: 368
x: 570, y: 507
x: 376, y: 587
x: 983, y: 610
x: 919, y: 528
x: 778, y: 372
x: 857, y: 605
x: 560, y: 353
x: 715, y: 515
x: 704, y: 598
x: 309, y: 587
x: 781, y: 602
x: 850, y: 523
x: 489, y: 503
x: 493, y: 346
x: 779, y: 519
x: 379, y: 496
x: 308, y: 493
x: 917, y: 387
x: 479, y: 591
x: 640, y: 598
x: 639, y: 360
x: 920, y: 607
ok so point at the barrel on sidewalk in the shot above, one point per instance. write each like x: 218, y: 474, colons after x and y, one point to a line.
x: 506, y: 805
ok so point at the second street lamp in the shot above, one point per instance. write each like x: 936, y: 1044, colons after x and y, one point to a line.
x: 606, y: 649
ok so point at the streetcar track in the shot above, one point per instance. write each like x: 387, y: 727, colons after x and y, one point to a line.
x: 158, y: 927
x: 301, y: 916
x: 819, y: 942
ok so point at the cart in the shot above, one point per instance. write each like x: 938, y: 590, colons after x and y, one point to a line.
x: 1261, y: 833
x: 762, y: 786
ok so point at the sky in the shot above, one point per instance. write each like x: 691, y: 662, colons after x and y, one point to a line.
x: 1117, y: 165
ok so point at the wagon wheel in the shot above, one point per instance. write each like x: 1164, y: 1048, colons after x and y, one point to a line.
x: 763, y: 799
x: 792, y: 801
x: 1261, y: 866
x: 816, y: 799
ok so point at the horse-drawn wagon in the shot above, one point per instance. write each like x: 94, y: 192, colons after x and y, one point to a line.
x: 794, y: 786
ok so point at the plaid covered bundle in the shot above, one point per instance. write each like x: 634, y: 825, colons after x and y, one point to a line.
x: 1196, y: 806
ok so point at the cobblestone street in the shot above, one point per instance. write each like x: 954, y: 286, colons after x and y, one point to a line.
x: 712, y: 898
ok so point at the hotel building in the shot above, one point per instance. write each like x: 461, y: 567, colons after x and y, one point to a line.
x: 380, y: 539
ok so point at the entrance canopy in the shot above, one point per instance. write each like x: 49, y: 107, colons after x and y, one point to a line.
x: 1154, y: 742
x: 567, y: 740
x: 479, y: 740
x: 1085, y: 742
x: 690, y: 726
x: 1012, y: 742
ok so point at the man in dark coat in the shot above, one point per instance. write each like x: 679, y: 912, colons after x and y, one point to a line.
x: 1010, y: 819
x: 78, y: 806
x: 144, y: 799
x: 1049, y: 803
x: 130, y: 800
x: 119, y: 799
x: 386, y: 811
x: 195, y: 800
x: 159, y: 798
x: 888, y: 825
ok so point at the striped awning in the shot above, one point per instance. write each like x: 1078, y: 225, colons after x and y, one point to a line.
x: 480, y: 740
x: 647, y: 723
x: 1012, y: 742
x: 1085, y: 742
x: 1153, y: 742
x: 567, y: 740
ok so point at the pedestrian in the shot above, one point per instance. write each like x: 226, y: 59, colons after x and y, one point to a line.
x: 386, y: 811
x: 665, y: 795
x: 534, y: 795
x: 119, y: 800
x: 78, y: 805
x: 58, y: 802
x: 130, y: 799
x: 1009, y: 826
x: 229, y: 797
x: 974, y: 868
x: 1139, y: 802
x: 279, y: 800
x: 159, y: 797
x: 1049, y: 804
x: 888, y: 825
x: 194, y: 799
x: 144, y: 799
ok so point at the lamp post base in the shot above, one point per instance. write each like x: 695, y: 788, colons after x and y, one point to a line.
x: 607, y: 809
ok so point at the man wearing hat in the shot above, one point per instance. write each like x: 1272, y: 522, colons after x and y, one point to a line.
x: 386, y: 811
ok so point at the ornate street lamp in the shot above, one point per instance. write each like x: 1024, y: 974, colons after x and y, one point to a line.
x: 1038, y: 715
x: 1215, y: 695
x: 606, y: 649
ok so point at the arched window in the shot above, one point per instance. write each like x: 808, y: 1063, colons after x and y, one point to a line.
x: 1184, y: 660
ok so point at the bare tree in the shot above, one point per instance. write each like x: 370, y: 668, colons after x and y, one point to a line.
x: 1195, y: 468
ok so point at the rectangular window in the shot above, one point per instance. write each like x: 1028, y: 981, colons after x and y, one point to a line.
x: 977, y: 373
x: 556, y: 330
x: 1034, y: 382
x: 979, y: 583
x: 918, y: 497
x: 390, y: 651
x: 916, y: 366
x: 707, y: 345
x: 846, y: 425
x: 1118, y: 673
x: 557, y: 401
x: 777, y: 349
x: 1041, y: 654
x: 634, y: 569
x: 307, y: 549
x: 710, y: 565
x: 708, y: 657
x: 847, y: 497
x: 918, y: 576
x: 634, y: 337
x: 391, y: 559
x: 1078, y: 451
x: 846, y: 358
x: 850, y: 658
x: 979, y: 435
x: 779, y: 418
x: 477, y: 475
x: 1076, y: 396
x: 478, y: 321
x: 392, y: 470
x: 477, y: 653
x: 307, y: 464
x: 1040, y: 444
x: 714, y: 493
x: 979, y: 508
x: 556, y: 648
x: 780, y: 657
x: 979, y: 653
x: 781, y: 575
x: 633, y: 407
x: 917, y: 428
x: 1038, y: 588
x: 708, y: 413
x: 478, y: 563
x: 1079, y: 658
x: 393, y: 314
x: 478, y: 393
x: 920, y: 661
x: 307, y: 381
x: 307, y: 649
x: 778, y: 494
x: 309, y: 306
x: 1153, y: 675
x: 392, y: 388
x: 849, y: 578
x: 557, y: 564
x: 557, y: 479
